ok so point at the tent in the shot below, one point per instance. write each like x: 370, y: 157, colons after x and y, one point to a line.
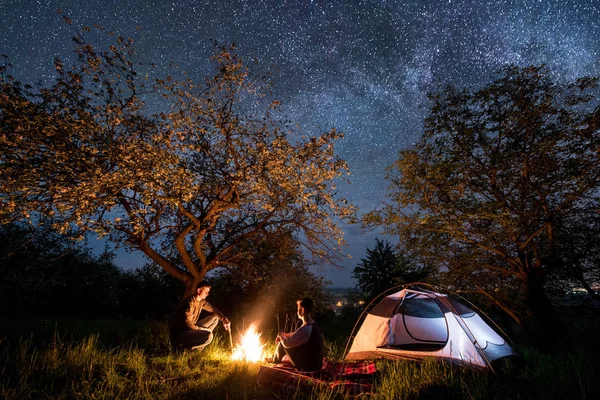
x: 417, y: 323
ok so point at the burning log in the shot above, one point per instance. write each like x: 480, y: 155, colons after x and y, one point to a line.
x: 250, y: 347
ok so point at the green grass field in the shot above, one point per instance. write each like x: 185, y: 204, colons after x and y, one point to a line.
x: 132, y: 360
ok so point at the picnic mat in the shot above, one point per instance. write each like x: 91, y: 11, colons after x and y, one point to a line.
x: 351, y: 377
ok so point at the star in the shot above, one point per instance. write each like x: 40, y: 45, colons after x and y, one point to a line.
x: 361, y: 66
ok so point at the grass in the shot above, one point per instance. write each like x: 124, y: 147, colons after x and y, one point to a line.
x: 107, y: 365
x: 85, y: 369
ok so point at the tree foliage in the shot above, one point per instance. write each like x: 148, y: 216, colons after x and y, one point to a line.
x: 147, y: 292
x: 185, y: 185
x: 385, y: 267
x: 44, y: 273
x: 500, y: 177
x: 275, y: 274
x: 579, y: 241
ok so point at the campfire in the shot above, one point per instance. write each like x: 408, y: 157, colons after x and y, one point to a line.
x: 250, y: 347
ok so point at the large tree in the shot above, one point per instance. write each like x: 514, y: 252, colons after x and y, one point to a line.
x: 500, y: 173
x: 182, y: 171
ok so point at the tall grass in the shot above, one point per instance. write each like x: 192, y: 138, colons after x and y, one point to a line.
x: 143, y: 367
x: 85, y: 370
x: 429, y: 379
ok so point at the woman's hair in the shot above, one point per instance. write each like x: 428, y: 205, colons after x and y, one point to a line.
x: 306, y: 303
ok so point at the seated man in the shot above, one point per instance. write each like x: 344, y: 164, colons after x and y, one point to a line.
x: 186, y: 330
x: 305, y: 346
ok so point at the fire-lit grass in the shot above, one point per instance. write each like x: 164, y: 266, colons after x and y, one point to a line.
x: 86, y: 370
x: 142, y: 368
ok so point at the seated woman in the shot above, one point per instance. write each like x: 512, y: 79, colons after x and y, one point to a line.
x: 305, y: 346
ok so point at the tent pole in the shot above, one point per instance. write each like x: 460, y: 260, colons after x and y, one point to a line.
x: 465, y: 328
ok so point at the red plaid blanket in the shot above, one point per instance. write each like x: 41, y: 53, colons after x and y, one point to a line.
x: 351, y: 377
x: 348, y: 368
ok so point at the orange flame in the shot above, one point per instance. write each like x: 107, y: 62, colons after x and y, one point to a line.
x: 250, y: 348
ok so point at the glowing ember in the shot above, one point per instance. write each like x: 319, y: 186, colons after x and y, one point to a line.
x: 250, y: 348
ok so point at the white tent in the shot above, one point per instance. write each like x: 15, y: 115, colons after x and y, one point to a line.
x: 417, y: 323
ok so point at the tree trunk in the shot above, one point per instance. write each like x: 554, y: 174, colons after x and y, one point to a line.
x: 549, y: 329
x: 190, y: 289
x: 191, y: 284
x: 586, y: 286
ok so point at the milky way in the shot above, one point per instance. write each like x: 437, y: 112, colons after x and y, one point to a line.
x: 363, y: 67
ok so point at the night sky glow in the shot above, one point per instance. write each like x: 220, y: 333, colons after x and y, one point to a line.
x: 363, y: 67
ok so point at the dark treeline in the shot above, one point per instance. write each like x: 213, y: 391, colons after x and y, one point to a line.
x: 46, y: 274
x: 43, y: 273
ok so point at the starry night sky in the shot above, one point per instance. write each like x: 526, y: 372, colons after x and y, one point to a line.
x: 363, y: 67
